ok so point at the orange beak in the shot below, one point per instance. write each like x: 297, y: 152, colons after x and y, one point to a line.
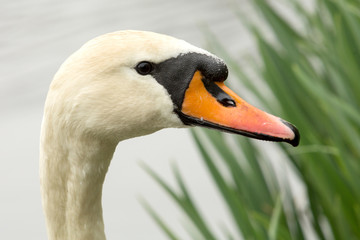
x: 213, y: 105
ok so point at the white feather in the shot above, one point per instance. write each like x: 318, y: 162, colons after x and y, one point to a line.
x: 95, y: 100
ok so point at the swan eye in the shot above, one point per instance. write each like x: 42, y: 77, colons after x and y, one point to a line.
x: 144, y: 68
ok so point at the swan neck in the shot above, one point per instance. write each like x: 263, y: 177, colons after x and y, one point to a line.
x: 72, y: 173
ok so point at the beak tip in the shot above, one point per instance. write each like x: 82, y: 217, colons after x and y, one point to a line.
x: 296, y: 140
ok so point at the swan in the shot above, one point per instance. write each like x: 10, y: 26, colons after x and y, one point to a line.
x: 119, y: 86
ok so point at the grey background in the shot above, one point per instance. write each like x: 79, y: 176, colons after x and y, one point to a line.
x: 36, y: 37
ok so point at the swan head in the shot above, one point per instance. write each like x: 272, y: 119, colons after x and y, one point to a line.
x: 130, y: 83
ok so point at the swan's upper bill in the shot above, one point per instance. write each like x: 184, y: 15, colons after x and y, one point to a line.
x: 131, y: 83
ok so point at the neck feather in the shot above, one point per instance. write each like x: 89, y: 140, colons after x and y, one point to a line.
x: 72, y: 172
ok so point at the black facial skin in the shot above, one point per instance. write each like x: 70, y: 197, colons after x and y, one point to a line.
x: 221, y: 96
x: 175, y: 74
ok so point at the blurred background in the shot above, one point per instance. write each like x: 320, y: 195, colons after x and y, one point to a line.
x: 37, y: 36
x: 296, y: 59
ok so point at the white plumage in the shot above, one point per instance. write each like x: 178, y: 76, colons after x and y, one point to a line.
x: 99, y: 98
x: 95, y: 100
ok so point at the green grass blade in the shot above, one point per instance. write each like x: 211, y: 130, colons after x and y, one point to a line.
x: 314, y: 76
x: 164, y: 227
x: 184, y: 201
x: 236, y: 209
x: 275, y: 219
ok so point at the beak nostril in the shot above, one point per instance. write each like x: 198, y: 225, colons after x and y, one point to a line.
x: 222, y: 97
x: 226, y: 102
